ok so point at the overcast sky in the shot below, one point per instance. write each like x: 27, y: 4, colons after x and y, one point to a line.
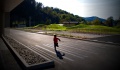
x: 87, y: 8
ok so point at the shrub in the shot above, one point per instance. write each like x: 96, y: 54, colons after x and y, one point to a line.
x: 55, y: 27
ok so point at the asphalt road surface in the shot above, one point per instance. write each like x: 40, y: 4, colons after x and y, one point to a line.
x: 79, y: 55
x: 112, y: 39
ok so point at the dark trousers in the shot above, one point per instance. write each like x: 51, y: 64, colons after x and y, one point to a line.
x: 55, y: 45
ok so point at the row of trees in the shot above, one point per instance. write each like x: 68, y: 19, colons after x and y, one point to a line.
x: 108, y: 22
x: 34, y: 13
x: 111, y: 22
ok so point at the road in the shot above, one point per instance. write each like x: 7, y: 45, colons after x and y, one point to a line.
x: 79, y: 54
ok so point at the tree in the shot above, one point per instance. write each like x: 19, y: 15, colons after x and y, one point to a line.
x: 109, y: 21
x: 40, y: 14
x: 96, y: 22
x: 48, y: 21
x: 117, y: 22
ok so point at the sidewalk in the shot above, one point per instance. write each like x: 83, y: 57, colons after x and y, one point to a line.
x: 7, y: 61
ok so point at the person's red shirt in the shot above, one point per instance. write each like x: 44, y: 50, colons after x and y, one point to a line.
x: 55, y: 39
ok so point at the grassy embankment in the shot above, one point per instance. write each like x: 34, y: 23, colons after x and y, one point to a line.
x: 97, y: 29
x: 81, y: 28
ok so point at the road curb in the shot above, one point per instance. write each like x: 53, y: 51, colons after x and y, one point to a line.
x: 22, y: 62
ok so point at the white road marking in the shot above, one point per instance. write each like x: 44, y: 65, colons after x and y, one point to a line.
x: 29, y: 48
x: 53, y: 52
x: 56, y: 60
x: 80, y: 49
x: 95, y: 40
x: 68, y: 52
x: 34, y: 51
x: 109, y: 42
x: 48, y: 45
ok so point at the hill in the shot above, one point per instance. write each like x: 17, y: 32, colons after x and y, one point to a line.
x: 93, y: 18
x: 32, y: 13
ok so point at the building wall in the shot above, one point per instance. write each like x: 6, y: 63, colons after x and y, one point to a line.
x: 1, y: 17
x: 5, y: 7
x: 9, y: 5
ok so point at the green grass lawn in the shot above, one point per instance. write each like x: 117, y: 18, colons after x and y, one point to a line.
x: 55, y: 27
x: 81, y: 28
x: 51, y: 27
x: 94, y: 29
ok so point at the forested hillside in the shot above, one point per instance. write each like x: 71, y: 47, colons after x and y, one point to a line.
x: 32, y: 13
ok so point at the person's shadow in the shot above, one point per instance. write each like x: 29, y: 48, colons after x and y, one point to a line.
x: 59, y: 54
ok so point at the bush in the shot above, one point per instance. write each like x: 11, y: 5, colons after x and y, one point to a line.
x: 78, y: 26
x: 55, y: 27
x: 99, y: 29
x: 39, y: 25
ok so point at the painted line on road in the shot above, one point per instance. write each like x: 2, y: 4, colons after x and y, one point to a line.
x: 81, y: 49
x: 90, y: 49
x: 35, y: 51
x: 68, y: 52
x: 53, y: 52
x: 94, y: 40
x: 51, y: 57
x: 28, y: 48
x: 109, y: 42
x: 50, y: 46
x: 68, y: 58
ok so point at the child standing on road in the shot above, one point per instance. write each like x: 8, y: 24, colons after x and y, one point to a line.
x: 55, y: 39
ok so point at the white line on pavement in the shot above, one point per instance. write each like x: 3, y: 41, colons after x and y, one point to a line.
x: 48, y: 45
x: 53, y: 52
x: 95, y: 40
x: 109, y: 42
x: 68, y: 52
x: 55, y: 59
x: 29, y: 48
